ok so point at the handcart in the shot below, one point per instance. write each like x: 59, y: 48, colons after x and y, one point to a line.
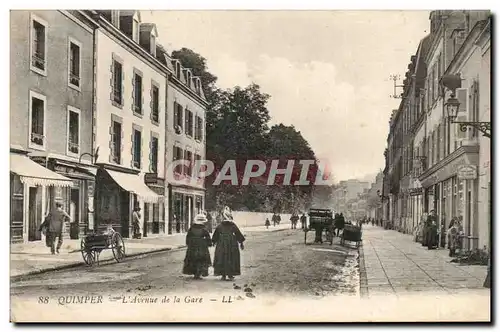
x: 320, y: 218
x: 351, y: 233
x: 93, y: 244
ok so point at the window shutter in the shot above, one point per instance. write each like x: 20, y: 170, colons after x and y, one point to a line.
x: 112, y: 80
x: 133, y: 92
x: 142, y: 98
x: 463, y: 112
x: 141, y: 150
x: 151, y: 94
x: 151, y: 153
x: 186, y: 121
x: 111, y: 142
x: 132, y: 148
x: 196, y: 128
x: 122, y: 137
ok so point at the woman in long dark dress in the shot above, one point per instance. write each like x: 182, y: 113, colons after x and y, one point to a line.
x: 198, y: 240
x: 228, y: 240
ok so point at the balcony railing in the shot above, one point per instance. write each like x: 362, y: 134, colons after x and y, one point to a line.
x: 38, y: 61
x: 73, y: 147
x: 74, y: 79
x: 38, y: 139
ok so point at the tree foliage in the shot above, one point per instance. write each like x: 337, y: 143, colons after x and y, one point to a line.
x: 237, y: 128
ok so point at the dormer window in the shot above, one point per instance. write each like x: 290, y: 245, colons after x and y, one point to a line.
x: 147, y: 37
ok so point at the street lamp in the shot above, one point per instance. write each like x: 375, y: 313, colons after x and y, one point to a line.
x: 452, y: 82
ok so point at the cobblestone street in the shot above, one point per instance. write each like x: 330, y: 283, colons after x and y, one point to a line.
x: 396, y: 265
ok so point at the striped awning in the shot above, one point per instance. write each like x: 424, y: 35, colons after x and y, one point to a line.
x: 134, y: 184
x: 34, y: 174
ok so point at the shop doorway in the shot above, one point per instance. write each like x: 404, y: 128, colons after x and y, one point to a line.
x: 74, y: 212
x: 35, y: 213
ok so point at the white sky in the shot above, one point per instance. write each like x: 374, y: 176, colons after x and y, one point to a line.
x: 327, y: 71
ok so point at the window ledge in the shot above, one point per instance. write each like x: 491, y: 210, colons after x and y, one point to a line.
x: 75, y: 87
x: 36, y: 146
x: 156, y: 123
x: 42, y: 72
x: 137, y: 114
x: 117, y: 105
x: 71, y: 154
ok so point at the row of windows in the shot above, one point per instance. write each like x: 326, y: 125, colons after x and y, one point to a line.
x: 116, y: 145
x: 180, y: 154
x: 37, y: 127
x: 192, y: 125
x: 38, y: 50
x: 117, y: 88
x: 184, y: 120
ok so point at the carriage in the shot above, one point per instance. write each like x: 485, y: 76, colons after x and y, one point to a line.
x: 93, y: 244
x: 351, y: 233
x: 320, y: 218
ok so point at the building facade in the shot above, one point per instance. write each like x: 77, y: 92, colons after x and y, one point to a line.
x: 185, y: 132
x: 130, y: 119
x: 439, y: 166
x: 51, y: 81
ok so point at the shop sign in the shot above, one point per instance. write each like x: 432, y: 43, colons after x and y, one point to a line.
x: 467, y: 172
x: 150, y: 178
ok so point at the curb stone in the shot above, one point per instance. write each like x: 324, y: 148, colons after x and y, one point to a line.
x: 363, y: 283
x: 73, y: 265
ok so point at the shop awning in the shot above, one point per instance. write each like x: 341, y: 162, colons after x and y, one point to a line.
x: 34, y: 174
x: 134, y: 184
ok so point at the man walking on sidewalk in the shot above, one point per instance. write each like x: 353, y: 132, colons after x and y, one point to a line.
x: 54, y: 224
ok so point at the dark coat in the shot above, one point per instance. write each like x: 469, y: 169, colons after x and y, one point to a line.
x: 339, y: 222
x: 197, y: 258
x: 54, y: 221
x: 227, y: 238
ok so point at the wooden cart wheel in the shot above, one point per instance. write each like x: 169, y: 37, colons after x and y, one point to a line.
x: 87, y: 254
x: 118, y: 247
x: 89, y: 257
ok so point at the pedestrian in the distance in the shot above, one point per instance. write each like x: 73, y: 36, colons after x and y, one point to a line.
x: 136, y: 222
x: 268, y: 223
x: 198, y: 240
x: 303, y: 221
x: 53, y: 226
x: 228, y: 240
x: 276, y: 219
x: 339, y: 223
x: 293, y: 220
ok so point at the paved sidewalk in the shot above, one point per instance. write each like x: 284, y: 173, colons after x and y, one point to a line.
x: 35, y: 257
x: 396, y: 265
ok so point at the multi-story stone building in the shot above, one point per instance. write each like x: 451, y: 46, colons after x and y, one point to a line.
x: 185, y: 131
x: 435, y: 153
x: 449, y: 149
x: 51, y: 80
x: 130, y: 119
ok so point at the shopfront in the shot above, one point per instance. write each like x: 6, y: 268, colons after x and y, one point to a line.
x: 118, y: 191
x: 452, y: 192
x: 154, y: 212
x: 77, y: 199
x: 186, y: 204
x: 31, y: 188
